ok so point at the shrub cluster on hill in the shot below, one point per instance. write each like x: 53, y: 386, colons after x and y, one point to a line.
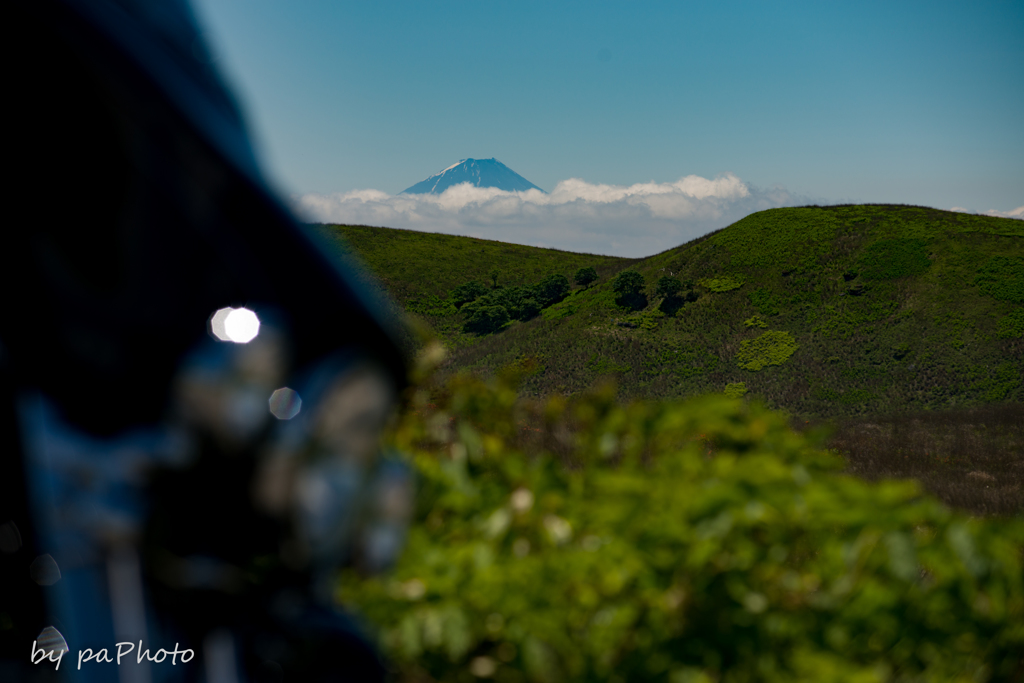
x: 488, y: 311
x: 586, y: 540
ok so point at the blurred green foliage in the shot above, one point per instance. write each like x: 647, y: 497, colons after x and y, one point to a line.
x: 586, y: 540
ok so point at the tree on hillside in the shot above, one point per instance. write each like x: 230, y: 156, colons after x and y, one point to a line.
x: 487, y: 319
x: 552, y: 289
x: 528, y: 308
x: 494, y: 277
x: 521, y: 303
x: 668, y: 287
x: 629, y: 285
x: 585, y: 276
x: 471, y: 291
x: 669, y: 290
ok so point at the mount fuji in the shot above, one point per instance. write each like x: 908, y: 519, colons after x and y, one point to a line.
x: 478, y: 172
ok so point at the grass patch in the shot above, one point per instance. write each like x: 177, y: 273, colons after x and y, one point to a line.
x: 771, y: 348
x: 605, y: 366
x: 724, y: 283
x: 736, y: 389
x: 783, y: 238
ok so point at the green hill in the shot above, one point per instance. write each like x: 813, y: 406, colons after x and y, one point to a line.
x: 822, y: 311
x: 420, y: 270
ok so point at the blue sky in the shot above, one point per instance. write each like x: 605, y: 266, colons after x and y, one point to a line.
x: 905, y: 102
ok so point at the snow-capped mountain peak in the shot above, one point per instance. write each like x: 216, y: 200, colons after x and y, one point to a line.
x: 477, y: 172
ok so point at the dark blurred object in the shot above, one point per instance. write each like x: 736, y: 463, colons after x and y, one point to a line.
x: 137, y: 447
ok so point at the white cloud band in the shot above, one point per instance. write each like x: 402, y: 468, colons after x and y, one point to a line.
x: 1012, y: 213
x: 634, y: 220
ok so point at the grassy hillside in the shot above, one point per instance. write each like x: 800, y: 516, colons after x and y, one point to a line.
x: 823, y: 311
x: 420, y: 270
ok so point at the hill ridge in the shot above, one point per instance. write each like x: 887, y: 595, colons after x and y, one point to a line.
x: 872, y: 308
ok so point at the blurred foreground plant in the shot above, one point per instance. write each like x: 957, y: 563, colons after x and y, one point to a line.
x: 580, y: 539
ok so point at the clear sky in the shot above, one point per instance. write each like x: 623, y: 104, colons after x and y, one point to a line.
x: 826, y: 102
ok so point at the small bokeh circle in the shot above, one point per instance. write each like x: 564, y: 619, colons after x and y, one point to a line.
x: 285, y: 403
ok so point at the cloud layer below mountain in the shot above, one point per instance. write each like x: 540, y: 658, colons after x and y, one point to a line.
x: 635, y: 220
x: 1013, y: 213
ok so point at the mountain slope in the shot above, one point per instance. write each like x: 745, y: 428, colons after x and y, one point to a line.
x: 818, y: 310
x: 476, y: 172
x: 419, y: 270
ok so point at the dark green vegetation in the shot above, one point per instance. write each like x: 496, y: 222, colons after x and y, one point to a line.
x: 821, y: 311
x: 584, y: 539
x: 585, y: 276
x: 491, y: 311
